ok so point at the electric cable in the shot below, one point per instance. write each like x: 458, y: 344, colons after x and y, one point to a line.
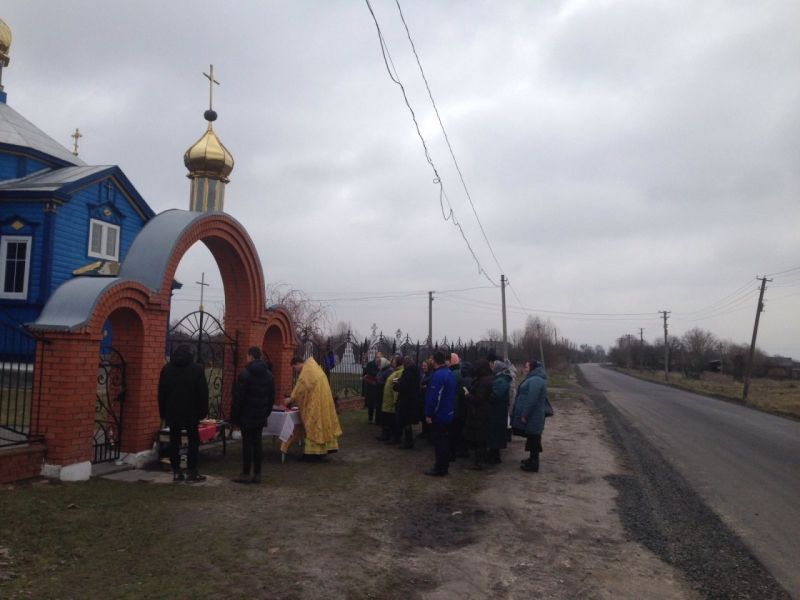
x: 451, y: 216
x: 446, y: 137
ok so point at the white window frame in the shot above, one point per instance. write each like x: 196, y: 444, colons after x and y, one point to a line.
x: 103, y: 239
x: 6, y: 239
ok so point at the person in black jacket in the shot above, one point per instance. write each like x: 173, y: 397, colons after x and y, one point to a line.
x: 476, y: 414
x: 252, y: 405
x: 409, y: 402
x: 182, y: 402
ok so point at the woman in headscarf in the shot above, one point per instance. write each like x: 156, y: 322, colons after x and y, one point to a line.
x: 384, y: 371
x: 528, y: 412
x: 388, y: 399
x: 498, y: 411
x: 408, y: 403
x: 476, y: 422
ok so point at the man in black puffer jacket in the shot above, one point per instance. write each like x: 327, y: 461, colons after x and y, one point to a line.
x: 255, y: 395
x: 182, y: 402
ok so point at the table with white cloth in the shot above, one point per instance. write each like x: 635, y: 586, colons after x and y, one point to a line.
x: 285, y: 425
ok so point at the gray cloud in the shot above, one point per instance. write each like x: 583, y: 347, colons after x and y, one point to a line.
x: 623, y: 157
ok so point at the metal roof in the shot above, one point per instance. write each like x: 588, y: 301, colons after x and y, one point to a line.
x: 70, y: 307
x: 18, y: 131
x: 51, y: 179
x: 72, y: 304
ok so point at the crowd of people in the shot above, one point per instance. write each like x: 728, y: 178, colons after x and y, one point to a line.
x: 465, y: 409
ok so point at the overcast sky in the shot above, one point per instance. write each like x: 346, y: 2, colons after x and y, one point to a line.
x: 624, y: 157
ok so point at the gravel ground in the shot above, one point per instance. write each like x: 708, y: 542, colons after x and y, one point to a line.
x: 660, y: 510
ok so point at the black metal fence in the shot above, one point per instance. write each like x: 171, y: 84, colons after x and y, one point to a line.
x: 20, y: 385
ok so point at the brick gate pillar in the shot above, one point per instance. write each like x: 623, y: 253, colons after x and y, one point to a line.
x: 68, y: 392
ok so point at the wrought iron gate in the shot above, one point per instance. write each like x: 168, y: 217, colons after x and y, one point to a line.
x: 110, y: 395
x: 212, y: 348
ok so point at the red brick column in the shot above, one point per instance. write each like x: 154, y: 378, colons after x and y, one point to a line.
x: 68, y: 368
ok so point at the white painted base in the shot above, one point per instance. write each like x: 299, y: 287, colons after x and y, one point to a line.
x: 76, y: 472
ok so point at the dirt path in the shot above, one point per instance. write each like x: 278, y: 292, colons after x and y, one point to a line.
x: 554, y: 534
x: 372, y: 526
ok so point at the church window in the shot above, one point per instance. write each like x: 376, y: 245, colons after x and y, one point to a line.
x: 15, y: 261
x: 103, y: 240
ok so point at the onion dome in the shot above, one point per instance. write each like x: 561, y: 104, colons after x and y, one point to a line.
x: 5, y: 42
x: 208, y: 157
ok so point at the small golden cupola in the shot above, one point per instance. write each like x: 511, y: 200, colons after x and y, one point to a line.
x: 5, y: 45
x: 209, y: 163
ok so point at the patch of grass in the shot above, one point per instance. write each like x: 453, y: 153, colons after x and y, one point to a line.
x: 778, y: 396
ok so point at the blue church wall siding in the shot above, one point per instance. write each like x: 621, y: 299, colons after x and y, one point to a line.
x: 72, y: 227
x: 14, y: 166
x: 8, y: 167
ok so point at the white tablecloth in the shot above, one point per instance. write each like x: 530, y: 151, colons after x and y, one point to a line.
x: 282, y: 424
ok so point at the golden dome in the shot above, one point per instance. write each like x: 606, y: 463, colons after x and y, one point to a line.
x: 5, y: 39
x: 207, y: 157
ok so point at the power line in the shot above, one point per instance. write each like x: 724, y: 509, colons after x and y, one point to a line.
x: 447, y: 216
x: 446, y: 138
x: 782, y: 272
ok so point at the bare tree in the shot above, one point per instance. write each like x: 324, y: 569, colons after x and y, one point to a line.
x: 699, y: 347
x: 493, y: 335
x: 307, y: 314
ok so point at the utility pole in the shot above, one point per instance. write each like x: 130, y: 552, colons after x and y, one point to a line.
x: 505, y: 330
x: 430, y: 318
x: 665, y: 314
x: 759, y: 310
x: 641, y: 347
x: 541, y: 350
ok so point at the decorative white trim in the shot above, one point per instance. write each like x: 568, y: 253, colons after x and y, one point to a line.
x: 105, y: 228
x: 4, y: 241
x: 81, y: 471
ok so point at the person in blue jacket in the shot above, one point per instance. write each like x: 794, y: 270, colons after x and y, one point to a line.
x: 440, y: 398
x: 528, y: 412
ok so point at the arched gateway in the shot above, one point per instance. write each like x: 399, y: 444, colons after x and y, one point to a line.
x: 136, y: 304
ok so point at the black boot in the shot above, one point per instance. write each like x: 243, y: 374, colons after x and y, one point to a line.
x: 532, y: 464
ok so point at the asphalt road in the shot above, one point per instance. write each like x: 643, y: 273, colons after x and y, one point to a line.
x: 743, y: 463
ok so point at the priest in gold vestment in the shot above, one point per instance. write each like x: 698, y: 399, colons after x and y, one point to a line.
x: 313, y: 397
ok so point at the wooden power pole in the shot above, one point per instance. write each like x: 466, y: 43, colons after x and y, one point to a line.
x: 505, y: 330
x: 430, y: 318
x: 665, y: 314
x: 759, y: 310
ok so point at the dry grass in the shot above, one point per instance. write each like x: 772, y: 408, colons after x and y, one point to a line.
x: 777, y: 396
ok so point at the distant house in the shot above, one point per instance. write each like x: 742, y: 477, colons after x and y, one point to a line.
x: 59, y: 217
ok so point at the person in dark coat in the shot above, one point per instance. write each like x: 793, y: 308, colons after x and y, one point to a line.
x: 528, y: 412
x: 459, y: 447
x: 408, y: 403
x: 498, y: 411
x: 476, y: 421
x: 426, y: 373
x: 439, y: 400
x: 372, y: 393
x: 384, y: 371
x: 252, y: 405
x: 182, y: 403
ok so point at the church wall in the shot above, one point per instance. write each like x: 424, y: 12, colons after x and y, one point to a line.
x: 8, y: 167
x: 72, y: 230
x: 13, y: 166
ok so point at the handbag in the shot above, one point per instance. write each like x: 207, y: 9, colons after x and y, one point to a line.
x: 548, y: 408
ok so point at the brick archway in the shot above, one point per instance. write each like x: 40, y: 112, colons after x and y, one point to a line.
x: 137, y: 303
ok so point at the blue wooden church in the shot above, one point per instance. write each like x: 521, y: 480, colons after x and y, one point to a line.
x: 59, y: 217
